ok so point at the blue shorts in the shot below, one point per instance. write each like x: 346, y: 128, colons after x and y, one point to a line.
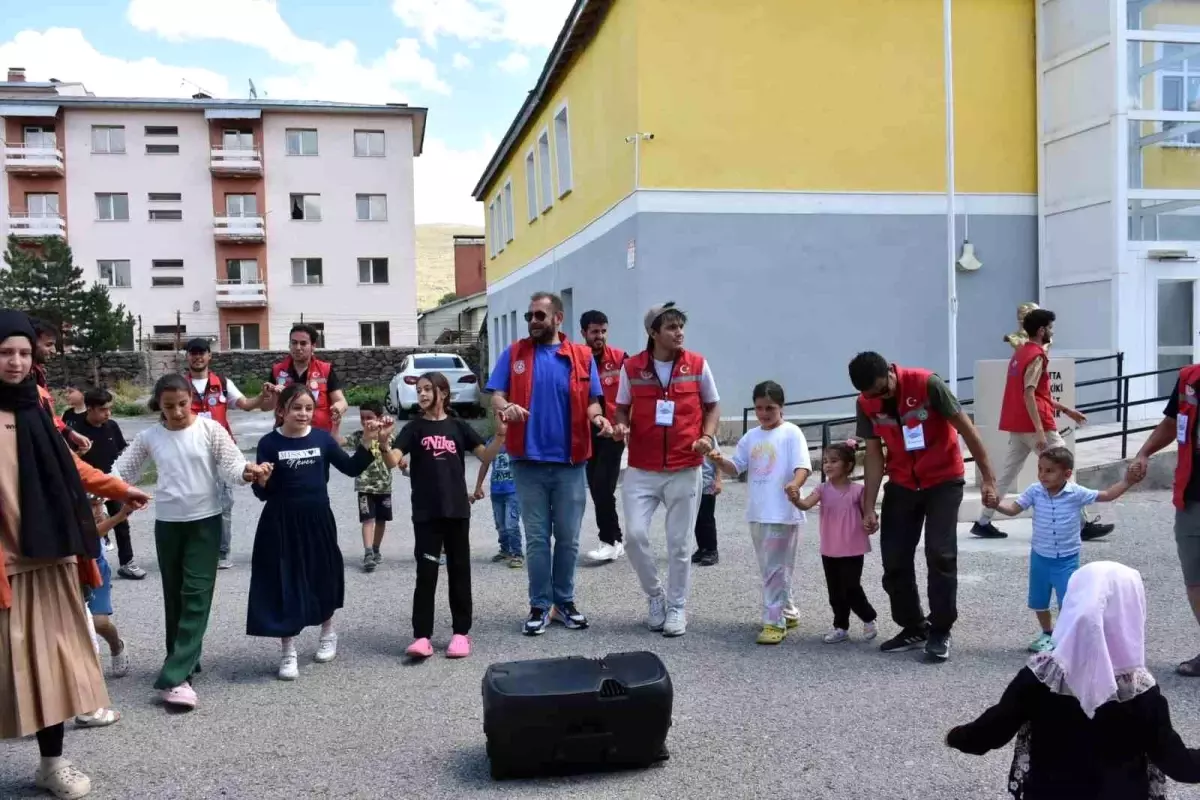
x: 100, y: 603
x: 1048, y: 575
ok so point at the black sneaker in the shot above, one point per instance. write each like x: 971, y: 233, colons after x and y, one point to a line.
x: 709, y: 559
x: 696, y: 556
x: 570, y: 616
x: 905, y: 640
x: 986, y: 530
x: 537, y: 622
x: 938, y: 646
x: 1095, y: 529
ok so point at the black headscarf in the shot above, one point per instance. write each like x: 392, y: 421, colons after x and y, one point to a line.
x: 56, y: 519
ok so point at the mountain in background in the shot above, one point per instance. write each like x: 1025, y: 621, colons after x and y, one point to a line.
x: 435, y: 260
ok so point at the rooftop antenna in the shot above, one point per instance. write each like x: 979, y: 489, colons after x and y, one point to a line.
x: 194, y: 85
x: 253, y: 91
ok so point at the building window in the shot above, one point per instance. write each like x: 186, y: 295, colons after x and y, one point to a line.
x: 164, y: 197
x: 531, y: 205
x: 243, y: 337
x: 492, y: 234
x: 241, y: 205
x: 41, y: 205
x: 545, y: 190
x: 237, y: 140
x: 112, y: 207
x: 242, y: 270
x: 108, y: 139
x: 307, y: 272
x: 1180, y: 87
x: 305, y: 206
x: 39, y: 136
x: 162, y: 149
x: 167, y: 263
x: 320, y: 328
x: 115, y: 274
x: 165, y: 281
x: 371, y: 207
x: 301, y: 142
x: 509, y: 233
x: 562, y: 150
x: 368, y: 144
x: 372, y: 270
x: 165, y: 214
x: 375, y: 334
x: 162, y: 130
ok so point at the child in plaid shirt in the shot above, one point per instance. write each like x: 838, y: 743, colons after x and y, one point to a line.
x: 374, y: 487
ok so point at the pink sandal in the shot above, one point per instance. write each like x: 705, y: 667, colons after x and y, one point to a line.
x: 460, y: 646
x: 421, y: 648
x: 182, y: 696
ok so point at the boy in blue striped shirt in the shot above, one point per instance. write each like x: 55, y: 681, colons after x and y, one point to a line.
x: 1056, y: 502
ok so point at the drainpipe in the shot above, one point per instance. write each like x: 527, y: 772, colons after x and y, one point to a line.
x: 951, y: 232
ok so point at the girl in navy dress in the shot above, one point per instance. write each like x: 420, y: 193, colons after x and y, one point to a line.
x: 296, y: 576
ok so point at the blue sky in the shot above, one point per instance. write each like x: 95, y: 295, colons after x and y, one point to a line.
x: 470, y: 62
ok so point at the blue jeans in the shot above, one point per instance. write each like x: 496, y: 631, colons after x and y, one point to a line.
x: 552, y: 499
x: 507, y: 514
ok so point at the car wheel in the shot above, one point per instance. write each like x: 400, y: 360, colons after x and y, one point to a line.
x: 389, y: 405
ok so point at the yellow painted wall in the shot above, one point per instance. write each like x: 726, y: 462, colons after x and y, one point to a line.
x: 835, y: 96
x: 601, y: 92
x: 1166, y: 167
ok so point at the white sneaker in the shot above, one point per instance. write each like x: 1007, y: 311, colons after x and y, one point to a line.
x: 607, y: 552
x: 837, y: 635
x: 120, y: 661
x: 676, y: 624
x: 869, y: 631
x: 657, y: 616
x: 289, y: 668
x: 327, y: 650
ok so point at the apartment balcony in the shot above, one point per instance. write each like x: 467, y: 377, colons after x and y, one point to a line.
x: 239, y: 230
x: 33, y: 159
x: 235, y: 162
x: 241, y: 294
x: 25, y: 225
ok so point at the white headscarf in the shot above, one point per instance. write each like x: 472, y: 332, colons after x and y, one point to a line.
x: 1100, y: 640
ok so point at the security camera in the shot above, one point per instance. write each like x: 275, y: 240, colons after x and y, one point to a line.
x: 648, y: 136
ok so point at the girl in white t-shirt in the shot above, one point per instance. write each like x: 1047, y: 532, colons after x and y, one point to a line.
x: 775, y: 456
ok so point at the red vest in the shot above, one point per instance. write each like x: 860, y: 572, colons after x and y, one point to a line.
x: 941, y: 459
x: 662, y: 448
x: 318, y: 377
x: 214, y: 402
x: 610, y: 363
x: 47, y: 401
x: 1188, y: 376
x: 520, y: 391
x: 1014, y: 417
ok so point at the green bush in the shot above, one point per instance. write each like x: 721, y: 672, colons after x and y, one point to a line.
x: 126, y: 408
x: 357, y: 395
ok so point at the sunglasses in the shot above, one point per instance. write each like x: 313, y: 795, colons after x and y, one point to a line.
x: 540, y: 316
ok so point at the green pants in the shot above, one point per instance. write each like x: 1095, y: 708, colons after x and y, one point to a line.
x: 187, y: 559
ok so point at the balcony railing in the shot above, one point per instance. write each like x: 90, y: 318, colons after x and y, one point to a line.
x: 232, y: 294
x: 239, y: 229
x: 37, y: 224
x: 235, y: 161
x: 33, y: 157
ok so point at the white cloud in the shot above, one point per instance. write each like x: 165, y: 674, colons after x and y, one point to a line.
x: 444, y: 180
x: 460, y: 61
x: 320, y: 71
x: 65, y: 54
x: 514, y: 62
x: 528, y: 23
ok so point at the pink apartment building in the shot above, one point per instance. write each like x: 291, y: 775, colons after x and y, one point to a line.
x: 241, y: 216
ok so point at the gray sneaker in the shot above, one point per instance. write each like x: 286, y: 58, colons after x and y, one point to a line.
x: 225, y: 563
x: 131, y: 570
x: 369, y: 561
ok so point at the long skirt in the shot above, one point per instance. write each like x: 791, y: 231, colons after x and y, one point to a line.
x: 296, y: 578
x: 49, y: 672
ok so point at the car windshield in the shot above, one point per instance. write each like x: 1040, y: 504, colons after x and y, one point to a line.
x: 426, y: 363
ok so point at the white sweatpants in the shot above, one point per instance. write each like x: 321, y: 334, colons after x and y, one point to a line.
x: 775, y: 546
x: 641, y: 493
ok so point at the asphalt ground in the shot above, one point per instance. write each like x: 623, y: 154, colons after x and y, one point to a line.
x: 803, y: 719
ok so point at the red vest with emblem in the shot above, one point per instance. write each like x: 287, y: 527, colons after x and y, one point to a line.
x: 1014, y: 417
x: 213, y: 402
x: 941, y: 459
x: 317, y: 377
x: 1186, y: 457
x: 609, y: 365
x: 520, y: 392
x: 665, y: 448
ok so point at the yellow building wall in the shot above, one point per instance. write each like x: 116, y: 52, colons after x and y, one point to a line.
x: 600, y: 90
x: 1166, y: 167
x: 835, y: 96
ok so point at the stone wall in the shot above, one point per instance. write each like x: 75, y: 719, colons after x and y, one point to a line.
x: 74, y: 369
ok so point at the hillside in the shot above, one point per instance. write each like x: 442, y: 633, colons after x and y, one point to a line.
x: 435, y: 261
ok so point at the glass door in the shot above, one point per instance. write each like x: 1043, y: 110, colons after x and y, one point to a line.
x: 1177, y: 337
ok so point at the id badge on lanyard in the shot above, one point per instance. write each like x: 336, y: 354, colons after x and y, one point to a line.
x: 664, y: 413
x: 914, y: 437
x: 1181, y: 428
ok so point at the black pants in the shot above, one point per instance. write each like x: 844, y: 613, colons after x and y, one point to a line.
x: 905, y: 512
x: 843, y: 578
x: 50, y: 741
x: 452, y: 535
x: 124, y: 543
x: 706, y: 523
x: 603, y: 469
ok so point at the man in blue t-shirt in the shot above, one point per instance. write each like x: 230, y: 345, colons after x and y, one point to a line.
x: 545, y: 442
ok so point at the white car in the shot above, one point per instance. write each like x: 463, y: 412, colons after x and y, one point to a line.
x: 464, y: 385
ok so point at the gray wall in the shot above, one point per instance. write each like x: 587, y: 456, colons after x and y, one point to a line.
x: 793, y: 297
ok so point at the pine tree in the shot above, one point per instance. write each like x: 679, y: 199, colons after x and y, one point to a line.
x: 43, y: 282
x: 100, y: 328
